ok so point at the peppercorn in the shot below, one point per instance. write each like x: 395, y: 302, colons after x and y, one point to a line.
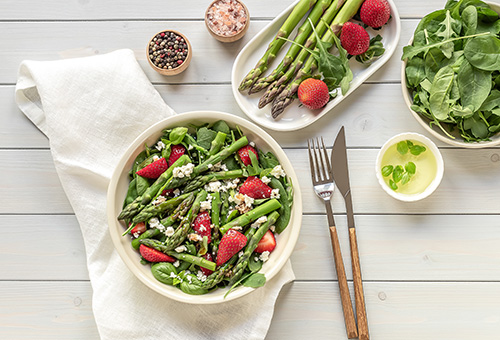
x: 167, y: 50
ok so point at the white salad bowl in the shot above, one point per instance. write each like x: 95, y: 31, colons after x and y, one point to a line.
x: 430, y: 146
x: 435, y: 130
x: 117, y: 191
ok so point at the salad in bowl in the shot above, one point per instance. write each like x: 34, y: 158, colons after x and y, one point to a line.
x: 204, y: 210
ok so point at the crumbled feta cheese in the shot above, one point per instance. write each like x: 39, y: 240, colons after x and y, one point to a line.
x: 252, y: 144
x: 170, y: 231
x: 183, y: 171
x: 205, y: 205
x: 240, y: 254
x: 265, y: 179
x: 264, y: 256
x: 275, y: 193
x: 173, y: 275
x: 278, y: 171
x: 136, y: 234
x: 189, y: 278
x: 177, y: 192
x: 180, y: 249
x: 160, y: 199
x: 156, y: 157
x: 258, y: 222
x: 155, y: 223
x: 237, y: 227
x: 220, y: 167
x: 243, y: 202
x: 272, y: 228
x: 190, y: 147
x: 194, y: 237
x: 160, y: 145
x: 176, y: 264
x: 214, y: 186
x: 210, y: 166
x: 202, y: 277
x: 202, y: 228
x: 256, y: 258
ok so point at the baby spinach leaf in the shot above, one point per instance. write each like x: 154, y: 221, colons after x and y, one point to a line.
x: 483, y: 53
x: 469, y: 17
x: 375, y: 50
x: 221, y: 126
x: 415, y: 71
x: 477, y: 127
x: 254, y: 264
x: 487, y: 14
x: 205, y: 136
x: 460, y: 111
x: 177, y: 135
x: 255, y: 280
x: 474, y: 85
x: 491, y: 102
x: 440, y: 93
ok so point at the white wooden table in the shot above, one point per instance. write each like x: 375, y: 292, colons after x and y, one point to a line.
x: 431, y: 269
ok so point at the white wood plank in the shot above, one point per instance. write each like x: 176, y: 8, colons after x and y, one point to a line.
x: 158, y: 10
x: 394, y: 248
x: 374, y: 114
x: 470, y: 184
x: 46, y: 310
x: 305, y: 310
x: 209, y: 64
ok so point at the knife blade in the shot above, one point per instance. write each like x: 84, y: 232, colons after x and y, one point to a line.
x: 341, y: 174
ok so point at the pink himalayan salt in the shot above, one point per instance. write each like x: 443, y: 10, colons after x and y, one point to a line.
x: 226, y: 17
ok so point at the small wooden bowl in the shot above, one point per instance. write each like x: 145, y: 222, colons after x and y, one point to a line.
x: 173, y: 71
x: 228, y: 38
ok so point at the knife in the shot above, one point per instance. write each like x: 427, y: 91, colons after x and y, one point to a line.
x: 341, y: 176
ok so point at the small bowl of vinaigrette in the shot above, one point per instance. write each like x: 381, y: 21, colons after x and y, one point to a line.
x: 409, y: 167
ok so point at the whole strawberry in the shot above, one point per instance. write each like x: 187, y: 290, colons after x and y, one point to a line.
x: 175, y: 153
x: 155, y: 169
x: 153, y: 255
x: 230, y: 244
x: 375, y: 13
x: 253, y: 187
x: 354, y: 38
x: 244, y: 154
x: 313, y: 93
x: 201, y: 225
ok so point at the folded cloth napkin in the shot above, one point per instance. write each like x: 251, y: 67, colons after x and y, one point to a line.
x: 91, y: 109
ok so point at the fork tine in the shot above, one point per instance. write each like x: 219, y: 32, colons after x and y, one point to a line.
x: 328, y: 169
x: 311, y: 162
x: 319, y: 168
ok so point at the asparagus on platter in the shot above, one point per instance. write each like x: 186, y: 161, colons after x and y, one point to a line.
x: 275, y: 45
x: 284, y: 99
x: 278, y: 78
x: 302, y: 34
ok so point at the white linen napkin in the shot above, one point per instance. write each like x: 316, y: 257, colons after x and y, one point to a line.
x: 91, y: 109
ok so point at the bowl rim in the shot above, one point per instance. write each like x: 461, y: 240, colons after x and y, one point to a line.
x: 233, y: 120
x: 425, y: 125
x: 431, y: 146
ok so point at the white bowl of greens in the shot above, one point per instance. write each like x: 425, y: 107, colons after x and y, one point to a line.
x: 451, y: 74
x: 170, y: 132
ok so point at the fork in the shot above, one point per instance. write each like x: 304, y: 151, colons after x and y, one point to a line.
x: 323, y: 184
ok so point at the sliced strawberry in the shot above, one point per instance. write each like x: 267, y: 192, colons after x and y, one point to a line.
x: 266, y: 243
x: 138, y: 229
x: 244, y: 156
x: 175, y: 153
x: 153, y: 255
x: 167, y: 192
x: 231, y: 243
x: 201, y: 225
x: 255, y: 188
x: 206, y: 271
x: 154, y: 170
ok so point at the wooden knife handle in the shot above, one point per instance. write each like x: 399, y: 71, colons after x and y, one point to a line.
x: 358, y: 287
x: 345, y: 297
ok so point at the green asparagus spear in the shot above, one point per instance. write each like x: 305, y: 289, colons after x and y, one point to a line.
x: 302, y: 34
x: 252, y: 215
x: 200, y: 181
x: 217, y: 276
x: 182, y: 231
x: 217, y: 143
x: 140, y: 202
x: 150, y: 233
x: 153, y: 209
x: 284, y: 99
x: 252, y: 243
x: 275, y: 45
x: 197, y: 260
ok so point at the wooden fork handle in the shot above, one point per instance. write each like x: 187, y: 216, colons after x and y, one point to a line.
x: 345, y: 297
x: 358, y: 287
